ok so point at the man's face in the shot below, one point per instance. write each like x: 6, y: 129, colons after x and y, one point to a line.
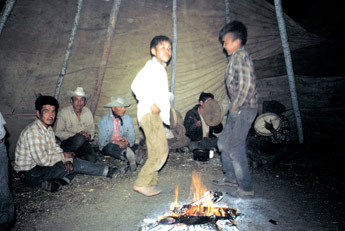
x: 230, y: 45
x: 78, y: 102
x: 162, y: 52
x: 46, y: 115
x: 120, y: 111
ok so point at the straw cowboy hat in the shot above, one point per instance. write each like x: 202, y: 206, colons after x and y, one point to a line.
x: 79, y: 91
x: 117, y: 101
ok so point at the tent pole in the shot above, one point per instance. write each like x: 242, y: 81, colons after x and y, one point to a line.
x: 68, y: 51
x: 174, y: 47
x: 227, y: 11
x: 289, y: 68
x: 105, y: 56
x: 5, y: 13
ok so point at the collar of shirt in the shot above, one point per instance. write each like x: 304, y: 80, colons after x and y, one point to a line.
x: 156, y: 60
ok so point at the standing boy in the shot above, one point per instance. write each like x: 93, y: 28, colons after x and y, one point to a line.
x: 241, y: 88
x: 150, y: 87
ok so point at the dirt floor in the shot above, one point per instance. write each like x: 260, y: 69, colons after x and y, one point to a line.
x: 304, y: 192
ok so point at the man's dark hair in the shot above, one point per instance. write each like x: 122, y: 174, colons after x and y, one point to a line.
x: 205, y: 95
x: 157, y: 39
x: 46, y: 100
x: 238, y: 31
x: 273, y: 106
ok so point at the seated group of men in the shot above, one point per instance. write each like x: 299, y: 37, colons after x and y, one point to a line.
x: 41, y: 161
x: 51, y: 159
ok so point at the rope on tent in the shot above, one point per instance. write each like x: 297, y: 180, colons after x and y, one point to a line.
x: 227, y: 11
x: 289, y: 68
x: 68, y: 51
x: 174, y: 48
x: 105, y: 56
x: 6, y: 12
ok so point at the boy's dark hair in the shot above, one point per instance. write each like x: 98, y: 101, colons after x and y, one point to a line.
x: 238, y: 31
x: 205, y: 95
x: 157, y: 39
x: 46, y: 100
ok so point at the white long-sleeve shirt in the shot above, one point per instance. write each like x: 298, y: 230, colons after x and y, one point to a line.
x: 151, y: 86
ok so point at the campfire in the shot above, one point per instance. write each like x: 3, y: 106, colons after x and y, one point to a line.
x: 202, y: 213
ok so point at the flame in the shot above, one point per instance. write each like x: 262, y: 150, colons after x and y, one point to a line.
x: 202, y: 204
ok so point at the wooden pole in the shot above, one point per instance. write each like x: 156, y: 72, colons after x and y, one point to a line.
x: 6, y: 12
x: 227, y: 11
x: 174, y: 48
x: 68, y: 51
x: 105, y: 56
x: 289, y: 68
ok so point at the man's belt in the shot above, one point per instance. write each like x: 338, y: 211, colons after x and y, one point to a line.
x: 2, y: 140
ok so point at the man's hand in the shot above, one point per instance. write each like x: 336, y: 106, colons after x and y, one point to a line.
x: 69, y: 154
x: 87, y: 136
x: 234, y: 110
x: 68, y: 167
x: 123, y: 143
x: 269, y: 126
x: 198, y: 123
x: 155, y: 109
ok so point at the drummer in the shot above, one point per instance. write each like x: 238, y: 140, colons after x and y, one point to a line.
x: 202, y: 135
x: 267, y: 148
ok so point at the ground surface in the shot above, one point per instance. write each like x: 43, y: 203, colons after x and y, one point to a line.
x: 303, y: 194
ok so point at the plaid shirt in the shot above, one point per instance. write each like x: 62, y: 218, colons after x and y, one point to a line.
x: 240, y: 80
x: 37, y: 146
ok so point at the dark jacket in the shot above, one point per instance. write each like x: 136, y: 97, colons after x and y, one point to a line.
x: 195, y: 132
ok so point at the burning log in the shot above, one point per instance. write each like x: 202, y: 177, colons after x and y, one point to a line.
x: 201, y: 214
x: 197, y: 216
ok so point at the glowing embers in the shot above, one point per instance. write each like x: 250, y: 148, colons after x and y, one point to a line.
x: 201, y: 214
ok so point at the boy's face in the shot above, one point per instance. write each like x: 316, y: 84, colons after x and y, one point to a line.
x: 231, y: 45
x: 162, y: 52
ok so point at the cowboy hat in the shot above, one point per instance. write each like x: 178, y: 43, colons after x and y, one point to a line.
x: 117, y: 101
x: 79, y: 91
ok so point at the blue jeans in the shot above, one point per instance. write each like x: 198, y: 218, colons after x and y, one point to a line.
x: 39, y: 174
x: 232, y: 145
x: 114, y: 150
x: 80, y: 146
x: 6, y: 200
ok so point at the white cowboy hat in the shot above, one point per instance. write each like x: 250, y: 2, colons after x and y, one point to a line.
x: 79, y: 91
x: 117, y: 101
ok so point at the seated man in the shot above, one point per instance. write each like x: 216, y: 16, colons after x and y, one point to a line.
x: 116, y: 133
x: 40, y: 161
x: 197, y: 130
x: 269, y: 149
x: 75, y: 126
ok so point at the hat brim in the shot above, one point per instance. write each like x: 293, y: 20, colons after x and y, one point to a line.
x: 70, y: 94
x: 126, y: 103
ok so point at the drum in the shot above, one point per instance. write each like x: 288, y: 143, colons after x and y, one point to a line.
x: 259, y: 124
x: 212, y: 113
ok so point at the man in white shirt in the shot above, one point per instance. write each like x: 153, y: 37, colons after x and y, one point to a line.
x: 151, y: 89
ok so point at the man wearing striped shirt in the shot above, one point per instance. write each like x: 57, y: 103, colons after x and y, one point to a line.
x: 241, y: 88
x: 40, y: 161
